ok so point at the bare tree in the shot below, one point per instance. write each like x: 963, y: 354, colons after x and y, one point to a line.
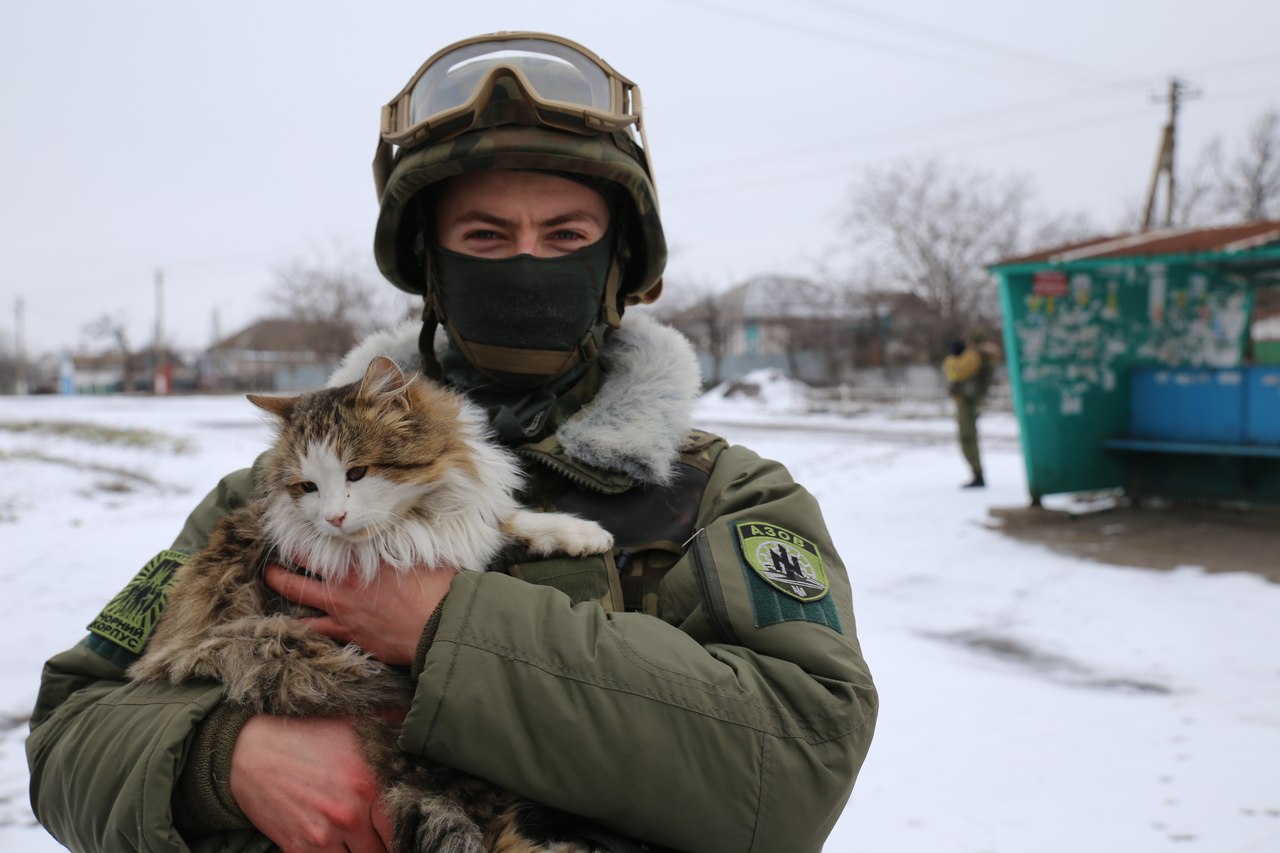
x: 828, y: 338
x: 891, y: 326
x: 1197, y: 199
x: 702, y: 314
x: 114, y: 331
x: 1250, y: 186
x: 1218, y: 190
x: 932, y: 229
x: 341, y: 292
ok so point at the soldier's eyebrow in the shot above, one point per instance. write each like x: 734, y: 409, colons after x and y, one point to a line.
x: 573, y: 216
x: 472, y: 217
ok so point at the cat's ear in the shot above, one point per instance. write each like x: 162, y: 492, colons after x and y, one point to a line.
x: 385, y: 382
x: 281, y: 407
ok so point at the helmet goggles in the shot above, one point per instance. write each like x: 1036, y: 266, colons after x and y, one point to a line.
x: 565, y: 85
x: 514, y: 100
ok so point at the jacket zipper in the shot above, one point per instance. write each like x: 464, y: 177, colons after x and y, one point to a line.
x: 709, y: 585
x: 562, y: 469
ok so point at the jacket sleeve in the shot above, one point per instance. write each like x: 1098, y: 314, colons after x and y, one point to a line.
x: 105, y: 754
x: 737, y: 721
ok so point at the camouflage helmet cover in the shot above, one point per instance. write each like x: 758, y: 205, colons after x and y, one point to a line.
x: 508, y: 136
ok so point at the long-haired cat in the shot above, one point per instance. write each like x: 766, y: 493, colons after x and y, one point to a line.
x: 375, y: 477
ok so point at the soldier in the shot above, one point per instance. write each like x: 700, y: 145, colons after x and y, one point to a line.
x: 701, y: 687
x: 969, y: 367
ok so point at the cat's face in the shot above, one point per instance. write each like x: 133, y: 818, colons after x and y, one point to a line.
x: 346, y: 494
x: 351, y: 463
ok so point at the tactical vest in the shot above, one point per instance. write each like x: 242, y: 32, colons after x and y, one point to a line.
x: 650, y: 525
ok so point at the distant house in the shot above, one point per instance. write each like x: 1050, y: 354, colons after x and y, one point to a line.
x: 775, y: 321
x: 275, y: 355
x: 98, y: 374
x: 117, y: 372
x: 812, y: 332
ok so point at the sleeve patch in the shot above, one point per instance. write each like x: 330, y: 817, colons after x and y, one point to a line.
x: 128, y: 619
x: 785, y: 575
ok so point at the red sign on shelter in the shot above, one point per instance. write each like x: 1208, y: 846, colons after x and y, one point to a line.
x: 1049, y: 283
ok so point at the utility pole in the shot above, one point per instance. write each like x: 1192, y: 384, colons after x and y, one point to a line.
x: 1178, y: 92
x: 159, y: 375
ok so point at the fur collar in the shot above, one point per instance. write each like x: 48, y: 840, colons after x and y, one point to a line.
x: 637, y: 422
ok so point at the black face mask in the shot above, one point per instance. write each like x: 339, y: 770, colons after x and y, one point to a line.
x: 524, y: 321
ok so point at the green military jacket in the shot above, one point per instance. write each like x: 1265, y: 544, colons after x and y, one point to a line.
x: 701, y: 687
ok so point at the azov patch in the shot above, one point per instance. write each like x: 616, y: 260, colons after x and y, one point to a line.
x: 786, y: 561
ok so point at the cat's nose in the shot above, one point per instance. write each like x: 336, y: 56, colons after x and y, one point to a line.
x: 336, y: 520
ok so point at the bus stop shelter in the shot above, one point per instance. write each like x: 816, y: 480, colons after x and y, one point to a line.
x: 1131, y: 365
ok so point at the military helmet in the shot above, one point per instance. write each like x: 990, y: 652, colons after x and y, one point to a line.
x: 516, y: 100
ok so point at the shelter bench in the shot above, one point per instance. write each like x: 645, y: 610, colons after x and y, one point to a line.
x: 1217, y: 428
x: 1142, y: 445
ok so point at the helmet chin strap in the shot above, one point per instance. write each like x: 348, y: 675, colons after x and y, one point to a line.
x: 427, y: 343
x: 492, y: 361
x: 611, y: 304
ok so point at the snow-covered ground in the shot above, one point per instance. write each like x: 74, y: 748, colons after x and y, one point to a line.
x: 1030, y: 701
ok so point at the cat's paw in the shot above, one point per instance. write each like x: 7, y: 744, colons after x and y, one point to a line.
x: 547, y: 533
x: 578, y: 537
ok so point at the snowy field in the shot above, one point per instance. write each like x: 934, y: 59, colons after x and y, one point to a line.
x: 1032, y: 702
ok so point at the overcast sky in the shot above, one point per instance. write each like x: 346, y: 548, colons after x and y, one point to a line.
x: 220, y: 141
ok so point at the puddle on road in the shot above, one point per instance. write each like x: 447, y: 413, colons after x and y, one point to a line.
x: 1155, y: 537
x: 1056, y: 667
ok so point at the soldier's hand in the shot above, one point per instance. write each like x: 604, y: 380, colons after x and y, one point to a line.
x: 385, y: 618
x: 304, y: 784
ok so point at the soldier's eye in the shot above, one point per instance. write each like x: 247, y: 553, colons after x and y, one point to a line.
x: 356, y: 473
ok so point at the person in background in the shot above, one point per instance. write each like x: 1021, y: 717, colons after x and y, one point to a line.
x: 969, y: 368
x: 699, y: 688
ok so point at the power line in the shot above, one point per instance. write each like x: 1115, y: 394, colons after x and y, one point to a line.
x: 845, y: 38
x: 983, y: 115
x: 807, y: 152
x: 953, y: 37
x: 810, y: 171
x: 1235, y: 64
x: 1269, y: 91
x: 862, y: 139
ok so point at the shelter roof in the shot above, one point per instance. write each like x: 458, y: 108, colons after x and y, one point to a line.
x: 1230, y: 239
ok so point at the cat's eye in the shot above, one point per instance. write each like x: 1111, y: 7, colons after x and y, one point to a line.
x: 308, y: 487
x: 356, y: 473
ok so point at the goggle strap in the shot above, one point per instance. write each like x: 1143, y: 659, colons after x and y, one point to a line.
x: 383, y: 163
x: 637, y: 107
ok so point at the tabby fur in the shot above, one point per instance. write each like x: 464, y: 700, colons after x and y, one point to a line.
x: 375, y: 477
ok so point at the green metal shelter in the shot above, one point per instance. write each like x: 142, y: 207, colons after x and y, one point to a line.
x: 1131, y: 367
